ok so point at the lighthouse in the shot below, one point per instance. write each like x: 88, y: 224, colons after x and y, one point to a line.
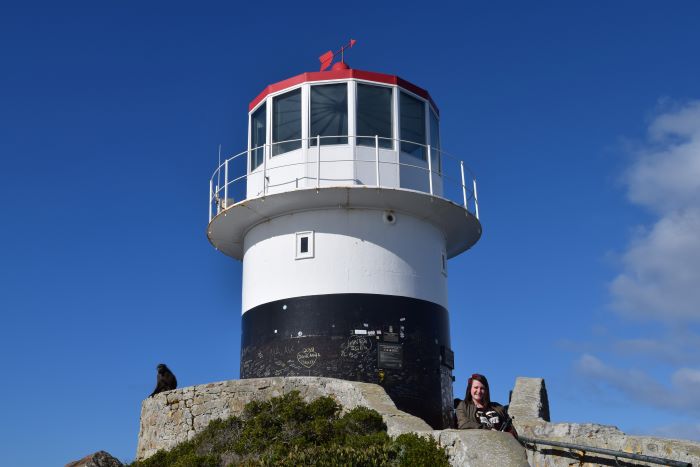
x: 344, y: 210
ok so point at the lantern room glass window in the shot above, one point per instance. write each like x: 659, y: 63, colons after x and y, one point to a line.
x: 435, y: 154
x: 258, y: 128
x: 412, y: 125
x: 329, y: 114
x: 286, y: 122
x: 374, y: 115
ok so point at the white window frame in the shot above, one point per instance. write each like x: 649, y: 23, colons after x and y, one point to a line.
x: 298, y: 254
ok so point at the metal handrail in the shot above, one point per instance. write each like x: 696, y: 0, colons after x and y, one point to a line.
x: 608, y: 452
x: 219, y: 193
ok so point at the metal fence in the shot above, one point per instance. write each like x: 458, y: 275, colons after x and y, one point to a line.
x: 457, y: 183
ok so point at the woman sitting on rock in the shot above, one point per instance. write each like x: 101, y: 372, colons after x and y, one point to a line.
x: 478, y: 412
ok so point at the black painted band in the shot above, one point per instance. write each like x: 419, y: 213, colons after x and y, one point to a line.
x: 339, y: 336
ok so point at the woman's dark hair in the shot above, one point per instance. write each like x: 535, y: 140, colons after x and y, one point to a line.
x: 482, y: 379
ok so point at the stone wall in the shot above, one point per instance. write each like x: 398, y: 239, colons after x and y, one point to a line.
x: 175, y: 416
x: 529, y: 408
x: 172, y: 417
x: 600, y: 436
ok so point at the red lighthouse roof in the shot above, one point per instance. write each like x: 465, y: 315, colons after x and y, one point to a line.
x: 342, y: 74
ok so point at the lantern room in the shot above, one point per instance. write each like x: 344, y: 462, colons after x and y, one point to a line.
x: 343, y: 127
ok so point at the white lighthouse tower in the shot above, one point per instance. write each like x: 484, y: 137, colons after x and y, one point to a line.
x: 344, y: 210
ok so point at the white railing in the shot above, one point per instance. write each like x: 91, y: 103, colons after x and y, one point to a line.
x: 441, y: 165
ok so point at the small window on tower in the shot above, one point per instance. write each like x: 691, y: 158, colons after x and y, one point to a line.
x: 443, y: 262
x: 304, y: 245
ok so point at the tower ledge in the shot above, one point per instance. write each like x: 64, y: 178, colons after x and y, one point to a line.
x: 228, y: 228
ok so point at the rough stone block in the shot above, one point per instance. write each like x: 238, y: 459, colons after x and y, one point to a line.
x: 529, y: 400
x: 481, y: 448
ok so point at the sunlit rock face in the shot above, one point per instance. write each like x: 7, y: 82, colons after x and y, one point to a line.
x: 97, y: 459
x: 529, y: 407
x: 175, y: 416
x: 529, y: 401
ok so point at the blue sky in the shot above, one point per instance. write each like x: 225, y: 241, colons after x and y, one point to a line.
x: 580, y: 119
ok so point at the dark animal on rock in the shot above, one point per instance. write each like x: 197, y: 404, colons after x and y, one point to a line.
x: 165, y: 381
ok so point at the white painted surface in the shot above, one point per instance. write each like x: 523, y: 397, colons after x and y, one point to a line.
x: 355, y: 251
x: 341, y: 165
x: 228, y: 228
x: 366, y: 166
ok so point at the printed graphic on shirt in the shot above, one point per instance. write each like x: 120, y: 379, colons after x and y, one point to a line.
x: 489, y: 419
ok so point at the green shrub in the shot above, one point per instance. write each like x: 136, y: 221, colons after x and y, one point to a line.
x: 287, y: 431
x: 417, y: 450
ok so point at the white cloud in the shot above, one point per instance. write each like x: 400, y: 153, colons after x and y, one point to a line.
x: 679, y: 431
x: 633, y: 383
x: 677, y: 347
x: 660, y: 278
x: 683, y: 392
x: 666, y: 173
x: 687, y: 379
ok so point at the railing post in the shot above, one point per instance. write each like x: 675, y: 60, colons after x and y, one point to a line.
x: 376, y: 157
x: 226, y: 184
x: 264, y: 169
x: 211, y: 188
x: 476, y: 199
x: 318, y: 161
x: 464, y: 188
x: 430, y: 170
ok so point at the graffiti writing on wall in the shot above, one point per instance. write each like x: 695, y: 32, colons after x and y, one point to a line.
x: 356, y: 346
x: 307, y: 357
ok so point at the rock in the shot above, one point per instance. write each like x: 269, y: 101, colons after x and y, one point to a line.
x: 164, y: 424
x: 481, y: 448
x: 529, y: 401
x: 97, y: 459
x: 176, y: 416
x: 529, y: 407
x: 170, y: 418
x: 599, y: 436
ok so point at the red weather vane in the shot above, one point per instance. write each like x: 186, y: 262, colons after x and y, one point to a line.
x: 327, y: 58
